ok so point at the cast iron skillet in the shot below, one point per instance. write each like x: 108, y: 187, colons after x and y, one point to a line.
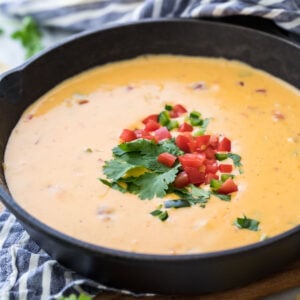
x: 182, y: 274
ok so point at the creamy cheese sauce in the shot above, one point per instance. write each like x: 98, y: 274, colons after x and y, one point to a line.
x: 52, y: 175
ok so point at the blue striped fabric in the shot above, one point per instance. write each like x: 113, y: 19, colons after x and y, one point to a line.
x: 77, y: 15
x: 26, y: 271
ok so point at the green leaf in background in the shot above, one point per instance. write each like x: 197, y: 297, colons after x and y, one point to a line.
x: 1, y: 31
x: 30, y: 36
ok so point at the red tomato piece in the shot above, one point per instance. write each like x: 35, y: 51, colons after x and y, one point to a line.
x: 211, y: 168
x: 128, y: 135
x: 193, y: 160
x: 173, y: 114
x: 182, y: 142
x: 185, y: 127
x: 214, y: 141
x: 228, y: 187
x: 224, y: 145
x: 225, y: 168
x: 210, y: 162
x: 151, y: 117
x: 181, y: 180
x: 139, y: 133
x: 143, y: 134
x: 167, y: 159
x: 149, y: 137
x: 209, y: 177
x: 201, y: 143
x: 179, y: 109
x: 195, y: 176
x: 210, y: 153
x: 162, y: 133
x: 152, y: 125
x: 202, y: 140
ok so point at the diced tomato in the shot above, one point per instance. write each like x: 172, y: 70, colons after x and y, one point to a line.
x: 181, y: 180
x: 209, y: 177
x: 210, y: 153
x: 185, y: 127
x: 143, y: 134
x: 194, y: 160
x: 128, y: 135
x: 152, y: 125
x: 182, y: 142
x: 139, y: 133
x: 209, y: 162
x: 151, y: 117
x: 173, y: 114
x: 202, y: 140
x: 167, y: 159
x: 179, y: 109
x: 224, y: 145
x: 149, y: 137
x: 211, y: 168
x: 225, y: 168
x: 195, y: 176
x: 201, y: 143
x: 228, y: 187
x: 214, y: 141
x: 162, y: 134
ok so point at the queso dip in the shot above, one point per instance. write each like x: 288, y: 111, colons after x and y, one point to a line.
x: 56, y: 153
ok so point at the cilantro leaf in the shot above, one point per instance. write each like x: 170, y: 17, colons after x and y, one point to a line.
x: 199, y: 193
x: 116, y: 168
x: 155, y: 185
x: 222, y: 196
x: 247, y: 223
x: 139, y: 145
x: 169, y: 146
x: 236, y: 159
x: 29, y: 36
x: 144, y: 153
x: 114, y: 185
x: 192, y: 194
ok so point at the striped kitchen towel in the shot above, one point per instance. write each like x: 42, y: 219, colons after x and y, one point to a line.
x: 79, y: 15
x: 27, y: 272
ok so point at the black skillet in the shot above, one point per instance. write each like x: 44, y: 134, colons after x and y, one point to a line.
x: 182, y: 274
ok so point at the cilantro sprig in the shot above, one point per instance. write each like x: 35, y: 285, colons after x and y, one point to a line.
x: 140, y: 157
x: 247, y: 223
